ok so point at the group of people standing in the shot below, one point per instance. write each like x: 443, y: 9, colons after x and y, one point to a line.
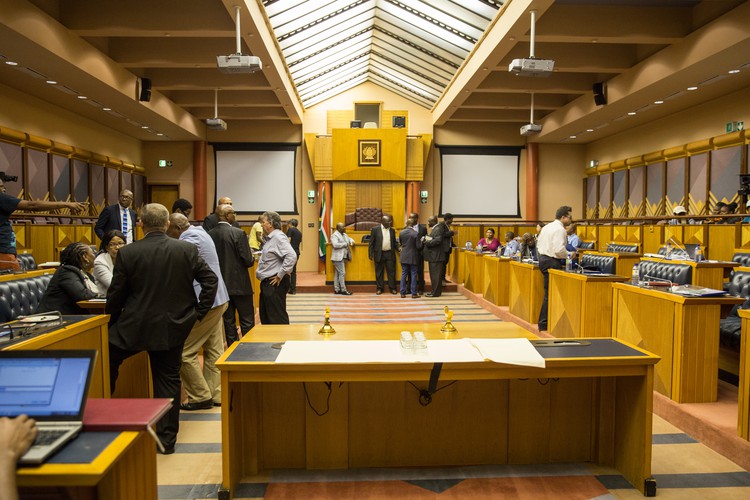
x: 415, y: 244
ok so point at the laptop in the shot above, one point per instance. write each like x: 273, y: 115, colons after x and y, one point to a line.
x: 51, y: 387
x: 687, y: 254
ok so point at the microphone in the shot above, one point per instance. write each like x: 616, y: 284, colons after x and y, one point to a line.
x: 656, y: 281
x: 583, y: 269
x: 683, y: 250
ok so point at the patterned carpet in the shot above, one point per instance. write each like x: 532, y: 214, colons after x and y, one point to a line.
x: 386, y: 308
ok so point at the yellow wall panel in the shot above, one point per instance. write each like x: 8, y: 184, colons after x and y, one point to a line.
x: 392, y: 155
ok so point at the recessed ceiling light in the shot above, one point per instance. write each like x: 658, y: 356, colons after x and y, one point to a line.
x: 82, y: 97
x: 52, y: 82
x: 11, y: 63
x: 144, y: 126
x: 159, y: 134
x: 733, y: 71
x: 632, y: 113
x: 659, y: 102
x: 693, y: 88
x: 573, y: 136
x: 107, y: 109
x: 589, y: 130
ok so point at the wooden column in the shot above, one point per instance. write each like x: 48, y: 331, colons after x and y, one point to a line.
x: 200, y: 190
x: 532, y: 181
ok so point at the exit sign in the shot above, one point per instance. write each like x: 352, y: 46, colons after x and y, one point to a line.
x: 165, y: 163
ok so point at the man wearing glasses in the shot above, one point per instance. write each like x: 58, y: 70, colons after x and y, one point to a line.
x: 118, y: 216
x: 552, y: 252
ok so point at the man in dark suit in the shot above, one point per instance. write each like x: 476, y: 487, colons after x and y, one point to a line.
x: 421, y: 230
x: 382, y: 250
x: 235, y: 258
x: 435, y: 255
x: 153, y: 307
x: 447, y: 233
x: 120, y: 217
x: 411, y: 244
x: 295, y: 239
x: 212, y: 220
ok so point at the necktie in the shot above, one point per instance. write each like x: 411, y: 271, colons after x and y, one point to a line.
x: 125, y: 222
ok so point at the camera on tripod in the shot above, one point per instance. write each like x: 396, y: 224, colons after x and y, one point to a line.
x: 14, y: 178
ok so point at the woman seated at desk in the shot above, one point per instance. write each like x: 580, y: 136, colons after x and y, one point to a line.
x: 71, y: 282
x: 489, y: 243
x: 105, y: 262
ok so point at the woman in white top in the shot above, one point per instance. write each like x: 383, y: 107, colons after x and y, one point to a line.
x: 105, y: 261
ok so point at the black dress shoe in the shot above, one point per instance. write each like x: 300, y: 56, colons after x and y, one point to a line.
x: 337, y: 292
x: 428, y: 294
x: 403, y: 295
x: 217, y: 404
x: 394, y: 292
x: 414, y: 296
x: 168, y: 450
x: 200, y: 405
x: 345, y: 292
x: 378, y: 292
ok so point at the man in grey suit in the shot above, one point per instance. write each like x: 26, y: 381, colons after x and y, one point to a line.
x: 411, y: 244
x: 233, y: 249
x: 153, y: 307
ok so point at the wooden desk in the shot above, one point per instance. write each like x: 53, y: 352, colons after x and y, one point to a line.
x: 707, y: 273
x: 27, y: 274
x: 683, y: 331
x: 624, y: 261
x: 599, y: 410
x: 743, y: 394
x: 84, y: 332
x: 125, y: 469
x: 526, y: 291
x: 474, y: 271
x: 134, y: 378
x: 360, y: 270
x: 496, y: 279
x: 580, y: 305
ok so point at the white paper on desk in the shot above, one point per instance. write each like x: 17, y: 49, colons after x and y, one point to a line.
x: 376, y: 351
x: 509, y: 351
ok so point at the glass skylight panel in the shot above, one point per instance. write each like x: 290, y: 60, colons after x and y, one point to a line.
x: 348, y: 77
x: 331, y: 78
x: 330, y: 58
x: 338, y: 90
x: 426, y: 79
x: 407, y: 79
x: 437, y: 69
x: 423, y: 29
x: 275, y: 8
x: 473, y: 12
x: 456, y: 55
x: 325, y: 69
x: 317, y: 30
x: 360, y: 31
x: 441, y: 20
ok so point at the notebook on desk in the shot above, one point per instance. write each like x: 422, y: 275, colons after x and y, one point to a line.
x: 50, y: 387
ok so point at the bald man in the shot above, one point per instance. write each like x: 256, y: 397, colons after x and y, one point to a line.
x: 212, y: 220
x: 118, y: 216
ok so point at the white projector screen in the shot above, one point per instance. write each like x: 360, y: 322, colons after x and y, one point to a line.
x: 480, y: 181
x: 258, y: 177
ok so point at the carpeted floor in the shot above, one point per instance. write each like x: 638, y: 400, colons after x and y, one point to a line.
x: 386, y: 308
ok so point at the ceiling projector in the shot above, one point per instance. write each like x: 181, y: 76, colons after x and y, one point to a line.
x: 216, y: 124
x: 532, y: 67
x: 531, y: 129
x: 238, y: 63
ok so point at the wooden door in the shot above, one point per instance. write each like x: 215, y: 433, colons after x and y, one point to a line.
x: 166, y: 194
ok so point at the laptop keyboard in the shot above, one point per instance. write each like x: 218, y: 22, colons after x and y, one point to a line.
x: 47, y: 437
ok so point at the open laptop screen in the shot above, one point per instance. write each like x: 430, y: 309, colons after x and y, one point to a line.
x: 44, y: 386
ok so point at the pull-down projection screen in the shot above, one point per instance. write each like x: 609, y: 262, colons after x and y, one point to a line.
x: 480, y: 181
x: 258, y: 177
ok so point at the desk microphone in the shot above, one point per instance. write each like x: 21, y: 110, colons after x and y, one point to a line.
x: 656, y: 281
x: 680, y: 247
x: 582, y: 269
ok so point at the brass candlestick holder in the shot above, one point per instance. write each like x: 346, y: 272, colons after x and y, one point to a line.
x: 448, y: 327
x: 327, y: 329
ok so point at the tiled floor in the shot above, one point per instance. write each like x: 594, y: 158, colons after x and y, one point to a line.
x: 683, y: 468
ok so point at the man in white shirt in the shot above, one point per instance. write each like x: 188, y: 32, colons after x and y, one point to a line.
x: 382, y: 251
x: 552, y: 252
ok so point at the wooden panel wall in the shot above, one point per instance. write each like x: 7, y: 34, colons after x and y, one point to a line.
x: 388, y: 196
x: 392, y: 155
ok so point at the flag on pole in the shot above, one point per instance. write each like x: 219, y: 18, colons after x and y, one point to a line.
x: 323, y: 224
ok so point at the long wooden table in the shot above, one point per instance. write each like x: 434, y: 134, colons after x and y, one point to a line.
x: 683, y: 331
x: 593, y: 408
x: 526, y: 291
x: 124, y: 469
x: 580, y: 305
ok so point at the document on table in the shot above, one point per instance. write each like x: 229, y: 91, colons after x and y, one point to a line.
x: 508, y: 351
